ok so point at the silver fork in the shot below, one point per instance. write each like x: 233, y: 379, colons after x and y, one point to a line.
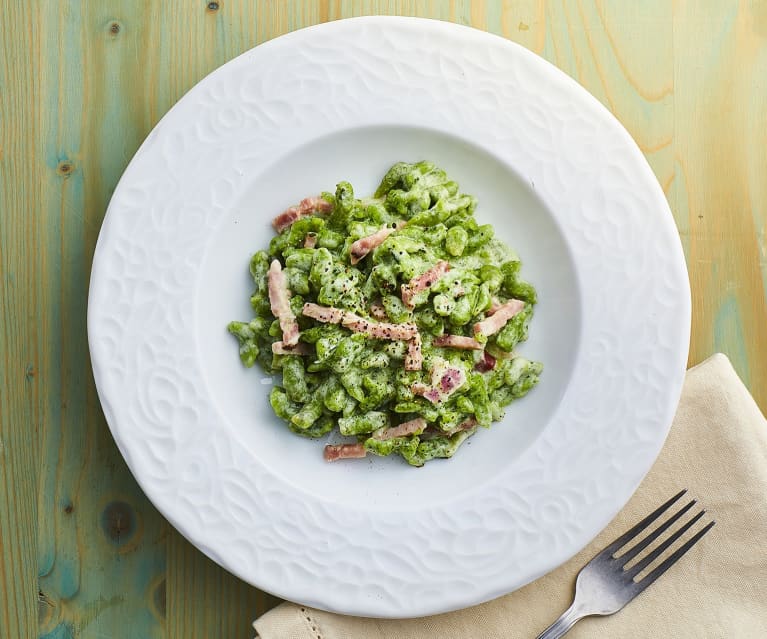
x: 605, y: 584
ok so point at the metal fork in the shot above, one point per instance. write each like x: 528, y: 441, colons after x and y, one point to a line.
x: 606, y: 584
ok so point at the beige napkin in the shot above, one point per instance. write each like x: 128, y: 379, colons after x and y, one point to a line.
x: 717, y: 448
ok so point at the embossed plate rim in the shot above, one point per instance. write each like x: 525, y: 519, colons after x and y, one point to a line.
x: 162, y: 440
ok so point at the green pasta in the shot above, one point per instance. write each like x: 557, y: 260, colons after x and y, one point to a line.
x: 392, y: 318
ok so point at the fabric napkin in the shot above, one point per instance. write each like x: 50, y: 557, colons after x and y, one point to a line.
x: 717, y: 448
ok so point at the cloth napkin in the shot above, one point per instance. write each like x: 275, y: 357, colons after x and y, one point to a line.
x: 717, y: 448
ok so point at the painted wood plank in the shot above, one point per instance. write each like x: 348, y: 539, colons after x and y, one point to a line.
x: 21, y: 402
x: 100, y: 542
x: 720, y: 137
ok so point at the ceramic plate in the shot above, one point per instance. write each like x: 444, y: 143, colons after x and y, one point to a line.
x: 562, y: 182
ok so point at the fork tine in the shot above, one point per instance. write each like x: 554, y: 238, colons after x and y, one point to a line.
x: 646, y: 561
x: 636, y: 529
x: 640, y: 546
x: 674, y: 557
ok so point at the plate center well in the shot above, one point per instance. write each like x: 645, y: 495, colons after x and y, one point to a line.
x: 362, y: 156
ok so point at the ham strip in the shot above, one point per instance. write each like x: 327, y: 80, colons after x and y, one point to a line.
x: 344, y: 451
x: 433, y: 432
x: 379, y: 330
x: 307, y: 206
x: 310, y: 241
x: 352, y: 321
x: 422, y: 282
x: 458, y: 341
x: 494, y: 306
x: 279, y: 299
x: 414, y: 356
x: 413, y: 427
x: 279, y: 348
x: 385, y: 330
x: 359, y: 249
x: 326, y: 314
x: 494, y: 323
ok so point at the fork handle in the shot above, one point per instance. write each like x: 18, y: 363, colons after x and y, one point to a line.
x: 562, y: 625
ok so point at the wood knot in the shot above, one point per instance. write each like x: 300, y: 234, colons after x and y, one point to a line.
x: 65, y: 168
x: 46, y: 610
x: 119, y: 522
x: 159, y: 598
x: 69, y: 507
x: 114, y: 28
x: 213, y: 6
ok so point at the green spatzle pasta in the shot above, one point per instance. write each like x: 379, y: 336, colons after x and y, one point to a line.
x: 392, y: 318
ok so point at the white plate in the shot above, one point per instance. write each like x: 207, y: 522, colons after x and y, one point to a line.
x: 563, y: 183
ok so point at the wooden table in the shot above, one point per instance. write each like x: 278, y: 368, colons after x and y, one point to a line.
x: 82, y: 552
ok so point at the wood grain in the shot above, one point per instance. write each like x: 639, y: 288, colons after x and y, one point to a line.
x: 100, y: 543
x: 21, y: 403
x: 82, y: 551
x: 721, y: 183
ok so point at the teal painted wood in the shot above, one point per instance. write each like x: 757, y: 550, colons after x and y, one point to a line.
x: 20, y: 401
x: 100, y: 542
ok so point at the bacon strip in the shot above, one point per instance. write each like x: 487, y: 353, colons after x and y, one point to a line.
x: 280, y: 348
x: 413, y: 427
x: 386, y: 330
x: 359, y: 249
x: 307, y: 206
x: 458, y: 341
x: 279, y: 299
x: 494, y: 323
x: 326, y: 314
x: 433, y: 432
x: 414, y: 356
x: 494, y: 306
x: 423, y: 281
x: 379, y: 330
x: 310, y: 241
x: 352, y: 321
x: 343, y: 451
